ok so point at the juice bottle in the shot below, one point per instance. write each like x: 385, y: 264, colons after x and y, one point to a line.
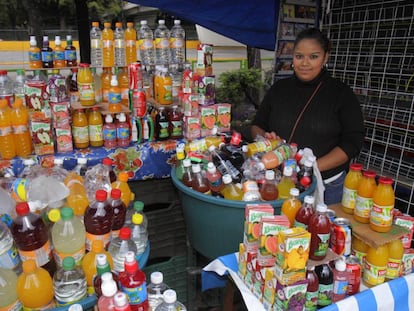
x: 286, y: 183
x: 106, y: 77
x: 363, y: 203
x: 325, y: 279
x: 274, y: 158
x: 95, y: 127
x: 80, y: 129
x: 350, y: 187
x: 268, y: 191
x: 7, y: 144
x: 305, y: 212
x: 21, y: 132
x: 35, y: 59
x: 359, y: 249
x: 123, y: 82
x: 121, y: 302
x: 230, y: 191
x: 123, y: 131
x: 161, y: 124
x: 35, y: 287
x: 312, y: 290
x: 31, y: 236
x: 187, y: 173
x: 72, y: 85
x: 383, y: 200
x: 214, y: 178
x: 320, y: 228
x: 71, y: 58
x: 179, y: 167
x: 375, y: 267
x: 203, y: 144
x: 8, y: 291
x: 108, y: 54
x: 122, y: 184
x: 340, y: 277
x: 175, y: 123
x: 291, y: 206
x: 98, y: 220
x: 98, y: 86
x: 261, y: 144
x: 109, y: 289
x: 109, y: 132
x: 199, y: 183
x: 119, y: 212
x: 114, y: 96
x: 395, y: 254
x: 58, y: 54
x: 47, y: 53
x: 130, y: 44
x: 86, y: 85
x: 77, y: 198
x: 163, y: 87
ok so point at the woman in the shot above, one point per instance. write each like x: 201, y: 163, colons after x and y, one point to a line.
x: 314, y: 110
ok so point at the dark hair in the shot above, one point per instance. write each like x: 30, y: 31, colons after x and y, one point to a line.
x: 316, y: 34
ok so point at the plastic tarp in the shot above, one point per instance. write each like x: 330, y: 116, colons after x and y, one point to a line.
x: 250, y: 22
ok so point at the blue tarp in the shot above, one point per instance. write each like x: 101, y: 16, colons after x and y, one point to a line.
x: 250, y: 22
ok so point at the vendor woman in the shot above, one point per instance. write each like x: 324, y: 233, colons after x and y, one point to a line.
x: 314, y: 110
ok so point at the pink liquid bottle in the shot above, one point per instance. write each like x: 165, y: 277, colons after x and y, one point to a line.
x: 109, y: 289
x: 109, y: 132
x: 122, y: 131
x: 214, y: 178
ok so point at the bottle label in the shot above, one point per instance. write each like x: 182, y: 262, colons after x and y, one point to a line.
x: 15, y: 306
x: 374, y: 275
x: 20, y: 129
x: 162, y: 43
x: 325, y: 294
x: 105, y: 238
x: 360, y: 255
x: 86, y: 91
x: 60, y: 303
x: 95, y: 132
x: 96, y: 44
x: 107, y: 43
x: 168, y: 92
x: 147, y: 44
x: 136, y: 295
x: 34, y: 56
x: 5, y: 130
x: 125, y: 94
x: 80, y: 134
x: 122, y: 133
x: 6, y: 218
x: 363, y: 206
x: 349, y: 198
x: 311, y: 301
x: 299, y: 224
x: 177, y: 129
x: 114, y: 97
x: 10, y: 258
x: 119, y: 43
x: 48, y: 306
x: 47, y: 56
x: 59, y: 55
x: 109, y: 134
x: 340, y: 287
x: 41, y: 255
x: 323, y: 243
x: 394, y: 268
x: 163, y: 131
x: 70, y: 55
x: 176, y: 43
x: 381, y: 215
x: 216, y: 184
x: 130, y: 43
x: 74, y: 96
x: 76, y: 255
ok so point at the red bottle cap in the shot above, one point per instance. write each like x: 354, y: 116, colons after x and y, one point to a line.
x: 235, y: 138
x: 385, y: 180
x: 101, y: 195
x: 115, y: 193
x: 22, y: 208
x: 107, y: 161
x: 369, y: 174
x: 125, y: 233
x: 355, y: 166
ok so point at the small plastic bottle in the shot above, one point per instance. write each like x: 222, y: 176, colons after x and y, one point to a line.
x: 58, y: 54
x: 119, y: 208
x: 215, y: 180
x: 162, y: 43
x: 122, y: 184
x: 58, y: 172
x: 137, y: 208
x: 114, y: 96
x: 285, y: 183
x: 394, y: 265
x: 109, y: 290
x: 170, y: 302
x: 123, y: 131
x: 102, y: 266
x: 96, y: 45
x: 274, y: 158
x: 35, y: 59
x: 156, y: 289
x: 6, y: 88
x: 8, y: 292
x: 119, y: 43
x: 71, y: 59
x: 312, y: 290
x: 230, y: 191
x: 47, y: 53
x: 109, y: 133
x: 200, y: 182
x: 81, y: 166
x: 121, y: 302
x: 251, y: 191
x: 177, y: 44
x: 305, y: 212
x: 187, y: 173
x: 139, y: 233
x: 340, y: 277
x: 86, y: 85
x: 179, y: 168
x: 305, y: 176
x: 291, y: 205
x: 383, y: 201
x: 269, y: 191
x: 120, y: 246
x: 9, y: 256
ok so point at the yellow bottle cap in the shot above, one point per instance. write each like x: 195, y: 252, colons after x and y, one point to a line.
x: 54, y: 215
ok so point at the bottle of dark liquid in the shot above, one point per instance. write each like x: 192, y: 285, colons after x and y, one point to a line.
x: 224, y: 165
x: 268, y: 191
x: 161, y: 124
x: 312, y: 290
x: 326, y: 283
x: 305, y: 175
x: 200, y: 182
x: 175, y: 123
x: 305, y: 212
x: 119, y: 209
x: 31, y: 236
x: 70, y: 53
x: 47, y: 53
x: 320, y: 228
x: 187, y: 173
x: 108, y: 163
x: 102, y: 266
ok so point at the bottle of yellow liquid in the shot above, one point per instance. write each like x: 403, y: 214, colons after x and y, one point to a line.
x: 108, y: 52
x: 7, y: 144
x: 383, y: 200
x: 106, y: 77
x: 86, y: 85
x: 262, y: 144
x: 359, y: 249
x: 203, y: 144
x: 123, y: 83
x: 230, y: 191
x: 394, y: 265
x: 286, y: 183
x: 114, y: 96
x: 122, y: 184
x: 363, y: 203
x: 80, y: 129
x: 59, y: 54
x: 130, y: 44
x: 21, y: 131
x: 351, y: 183
x: 375, y: 266
x: 35, y: 60
x: 163, y: 87
x: 77, y: 198
x: 95, y: 127
x: 291, y: 205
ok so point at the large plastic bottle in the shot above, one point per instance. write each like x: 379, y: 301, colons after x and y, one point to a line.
x: 177, y: 44
x: 20, y: 125
x: 383, y: 201
x: 119, y: 44
x: 7, y: 145
x: 95, y: 125
x: 71, y: 57
x: 108, y: 59
x: 96, y: 45
x: 69, y: 283
x: 106, y: 301
x: 139, y: 233
x: 35, y: 59
x: 59, y: 54
x: 146, y: 44
x: 170, y: 302
x: 274, y: 158
x: 114, y: 96
x: 8, y: 291
x: 350, y: 187
x: 320, y: 229
x: 47, y: 53
x: 18, y: 86
x: 130, y: 44
x: 35, y: 287
x: 9, y: 256
x: 162, y: 44
x: 102, y: 266
x: 119, y: 208
x: 122, y: 184
x: 86, y: 85
x: 291, y: 205
x: 120, y: 246
x: 156, y: 289
x: 77, y: 198
x: 68, y: 237
x: 6, y: 87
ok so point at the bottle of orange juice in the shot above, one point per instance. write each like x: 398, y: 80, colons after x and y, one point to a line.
x: 383, y: 200
x: 291, y: 205
x: 108, y: 53
x: 130, y: 44
x: 21, y: 131
x: 80, y: 129
x: 86, y: 85
x: 375, y: 266
x: 123, y: 82
x: 163, y: 87
x: 363, y: 203
x: 95, y: 127
x: 114, y: 96
x: 7, y: 144
x: 35, y: 60
x: 350, y: 187
x: 122, y: 184
x: 77, y: 198
x: 394, y: 265
x: 106, y: 77
x: 359, y: 249
x: 59, y: 54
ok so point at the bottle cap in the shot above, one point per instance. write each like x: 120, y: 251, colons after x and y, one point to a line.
x: 170, y: 296
x: 101, y: 260
x: 107, y: 24
x: 109, y: 288
x: 340, y: 264
x: 138, y: 206
x: 114, y: 81
x: 95, y: 24
x: 137, y: 219
x: 54, y: 215
x: 321, y: 207
x: 82, y: 160
x: 157, y: 277
x: 118, y: 25
x: 66, y: 213
x: 130, y: 264
x: 125, y: 233
x: 107, y: 161
x: 270, y: 175
x: 101, y: 195
x: 29, y: 161
x: 355, y: 166
x: 45, y: 38
x: 123, y: 176
x: 288, y: 171
x: 144, y: 22
x: 122, y: 117
x: 161, y: 22
x: 177, y: 22
x: 309, y: 199
x: 120, y: 299
x: 115, y: 194
x: 33, y: 40
x: 227, y: 179
x: 75, y: 307
x: 211, y: 168
x: 106, y: 276
x: 22, y: 208
x: 57, y: 40
x: 68, y: 38
x: 130, y: 24
x: 68, y: 263
x: 29, y: 266
x: 109, y: 119
x: 369, y: 174
x: 385, y: 180
x: 186, y: 162
x: 294, y: 192
x: 196, y: 168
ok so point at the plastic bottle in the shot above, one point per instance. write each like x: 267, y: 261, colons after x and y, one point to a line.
x: 119, y: 208
x: 9, y: 256
x: 274, y: 158
x: 18, y: 86
x: 106, y: 301
x: 106, y: 77
x: 98, y: 86
x: 359, y: 249
x: 35, y: 287
x: 139, y: 233
x: 31, y: 236
x: 304, y: 176
x: 291, y: 206
x: 214, y: 178
x: 98, y: 220
x: 114, y: 96
x: 383, y: 200
x: 230, y: 191
x: 130, y: 44
x: 162, y: 44
x: 122, y: 184
x: 163, y: 87
x: 223, y: 164
x: 146, y: 44
x: 71, y: 58
x: 137, y: 208
x: 340, y: 277
x: 305, y: 212
x: 286, y: 183
x: 7, y: 144
x: 375, y: 267
x: 363, y: 203
x: 175, y: 123
x: 107, y: 163
x: 21, y: 132
x: 8, y: 292
x: 58, y: 172
x: 80, y: 130
x: 102, y: 267
x: 312, y: 289
x: 121, y: 302
x: 119, y: 45
x: 68, y: 237
x: 200, y: 182
x: 81, y: 166
x: 187, y: 173
x: 123, y: 131
x: 108, y: 58
x: 59, y: 54
x: 96, y: 45
x: 179, y: 168
x: 72, y: 85
x: 351, y: 183
x: 156, y: 289
x: 170, y: 302
x: 77, y: 198
x: 123, y: 82
x: 95, y: 127
x: 6, y: 88
x: 133, y: 283
x: 177, y: 44
x: 161, y: 124
x: 251, y: 191
x: 35, y: 59
x: 320, y: 228
x: 69, y: 283
x: 86, y: 85
x: 109, y: 132
x: 47, y: 53
x: 395, y: 255
x: 261, y: 145
x: 269, y: 191
x: 325, y: 279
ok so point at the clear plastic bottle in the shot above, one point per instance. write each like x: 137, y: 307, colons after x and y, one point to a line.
x: 146, y: 44
x: 7, y: 144
x: 9, y: 256
x: 69, y: 283
x: 286, y: 183
x: 223, y: 164
x: 35, y: 59
x: 177, y: 44
x: 130, y: 44
x: 18, y: 86
x: 8, y: 292
x: 59, y: 54
x: 305, y: 176
x: 81, y: 166
x: 102, y: 267
x: 119, y: 208
x: 269, y: 191
x: 77, y: 198
x: 71, y: 58
x: 121, y: 302
x: 96, y: 45
x: 47, y: 53
x: 119, y: 44
x: 108, y: 46
x: 106, y: 301
x: 156, y: 289
x: 21, y: 131
x: 6, y: 88
x: 139, y: 233
x: 120, y: 246
x: 162, y: 44
x: 170, y: 302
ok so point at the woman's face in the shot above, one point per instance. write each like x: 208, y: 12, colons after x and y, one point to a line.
x: 308, y: 59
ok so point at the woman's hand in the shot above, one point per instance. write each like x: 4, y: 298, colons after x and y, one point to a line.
x: 271, y: 135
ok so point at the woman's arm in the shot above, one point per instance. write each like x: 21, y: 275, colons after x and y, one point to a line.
x: 334, y: 158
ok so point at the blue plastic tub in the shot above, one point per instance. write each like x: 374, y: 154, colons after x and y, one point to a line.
x: 215, y: 225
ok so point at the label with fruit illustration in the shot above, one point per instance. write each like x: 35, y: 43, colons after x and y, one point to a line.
x: 42, y: 137
x: 381, y: 216
x: 362, y: 206
x: 374, y: 275
x: 208, y: 117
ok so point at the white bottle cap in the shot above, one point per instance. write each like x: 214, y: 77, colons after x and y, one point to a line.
x: 157, y: 277
x: 114, y: 81
x: 122, y: 117
x: 29, y: 161
x: 170, y: 296
x: 340, y: 264
x: 33, y: 40
x: 68, y: 37
x: 144, y: 22
x: 227, y: 179
x: 211, y: 168
x: 75, y: 307
x: 309, y: 199
x: 161, y: 22
x: 294, y: 192
x: 120, y: 299
x: 58, y: 161
x: 211, y: 148
x: 106, y: 276
x: 101, y: 261
x: 45, y: 38
x: 321, y: 207
x: 186, y: 162
x: 270, y: 175
x: 109, y: 288
x: 196, y: 168
x: 82, y: 160
x: 109, y: 119
x: 57, y: 40
x: 288, y: 171
x: 177, y: 22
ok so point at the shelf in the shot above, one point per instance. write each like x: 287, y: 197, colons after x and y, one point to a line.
x: 311, y: 3
x: 299, y: 20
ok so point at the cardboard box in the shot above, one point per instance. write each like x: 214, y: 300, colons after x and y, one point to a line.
x: 223, y: 120
x: 290, y: 297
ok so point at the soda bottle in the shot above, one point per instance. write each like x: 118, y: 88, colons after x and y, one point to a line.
x: 122, y: 184
x: 96, y: 45
x: 224, y: 165
x: 71, y: 59
x: 251, y: 191
x: 31, y: 236
x: 80, y: 129
x: 18, y: 86
x: 320, y: 229
x: 47, y: 53
x: 286, y: 183
x: 86, y: 85
x: 139, y: 233
x: 107, y: 46
x: 395, y: 255
x: 137, y: 208
x: 274, y: 158
x: 304, y: 176
x: 383, y: 200
x: 98, y: 220
x: 68, y: 237
x: 375, y: 266
x: 8, y: 291
x: 98, y: 86
x: 200, y: 182
x: 170, y: 302
x: 123, y: 131
x: 35, y: 59
x: 95, y: 127
x: 69, y: 283
x: 107, y: 162
x: 72, y: 85
x: 230, y: 191
x: 114, y: 96
x: 119, y: 44
x: 214, y: 178
x: 351, y: 183
x: 305, y: 212
x: 106, y: 77
x: 312, y: 289
x: 9, y: 256
x: 146, y: 44
x: 130, y: 44
x: 177, y: 44
x: 156, y: 289
x: 123, y: 81
x: 109, y: 289
x: 175, y: 123
x: 7, y: 144
x: 363, y: 203
x: 109, y: 132
x: 102, y: 266
x: 119, y: 212
x: 325, y: 278
x: 269, y: 191
x: 35, y: 287
x: 59, y: 54
x: 81, y: 166
x: 77, y: 199
x: 291, y: 205
x: 187, y: 173
x: 133, y: 283
x: 21, y: 132
x: 340, y: 277
x: 162, y: 44
x: 121, y: 302
x: 119, y: 246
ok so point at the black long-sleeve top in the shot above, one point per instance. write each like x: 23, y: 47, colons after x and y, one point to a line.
x: 333, y: 118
